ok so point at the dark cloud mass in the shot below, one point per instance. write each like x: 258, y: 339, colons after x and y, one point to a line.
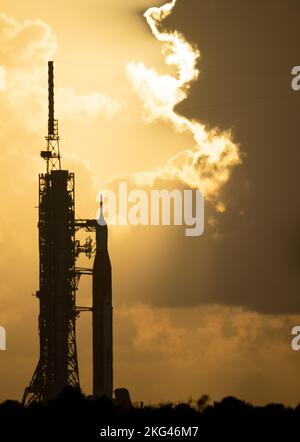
x: 252, y: 257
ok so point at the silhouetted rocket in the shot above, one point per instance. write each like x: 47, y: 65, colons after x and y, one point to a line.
x: 102, y: 314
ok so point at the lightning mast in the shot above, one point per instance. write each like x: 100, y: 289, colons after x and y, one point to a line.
x: 52, y: 154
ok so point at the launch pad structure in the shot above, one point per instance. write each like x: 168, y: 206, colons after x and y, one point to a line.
x: 59, y: 278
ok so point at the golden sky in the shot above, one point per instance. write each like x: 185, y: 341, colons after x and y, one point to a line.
x: 174, y: 338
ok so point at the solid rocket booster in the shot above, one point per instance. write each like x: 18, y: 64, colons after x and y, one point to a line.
x: 102, y: 315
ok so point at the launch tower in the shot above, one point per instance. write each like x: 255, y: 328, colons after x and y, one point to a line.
x: 57, y: 367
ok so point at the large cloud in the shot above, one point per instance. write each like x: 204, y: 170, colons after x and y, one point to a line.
x: 248, y: 256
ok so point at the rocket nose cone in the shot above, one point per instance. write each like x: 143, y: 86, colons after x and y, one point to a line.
x: 101, y: 221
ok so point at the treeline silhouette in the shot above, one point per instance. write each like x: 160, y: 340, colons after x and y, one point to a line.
x: 73, y: 416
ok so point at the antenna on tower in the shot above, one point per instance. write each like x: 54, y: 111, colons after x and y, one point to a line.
x: 50, y: 98
x: 52, y: 154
